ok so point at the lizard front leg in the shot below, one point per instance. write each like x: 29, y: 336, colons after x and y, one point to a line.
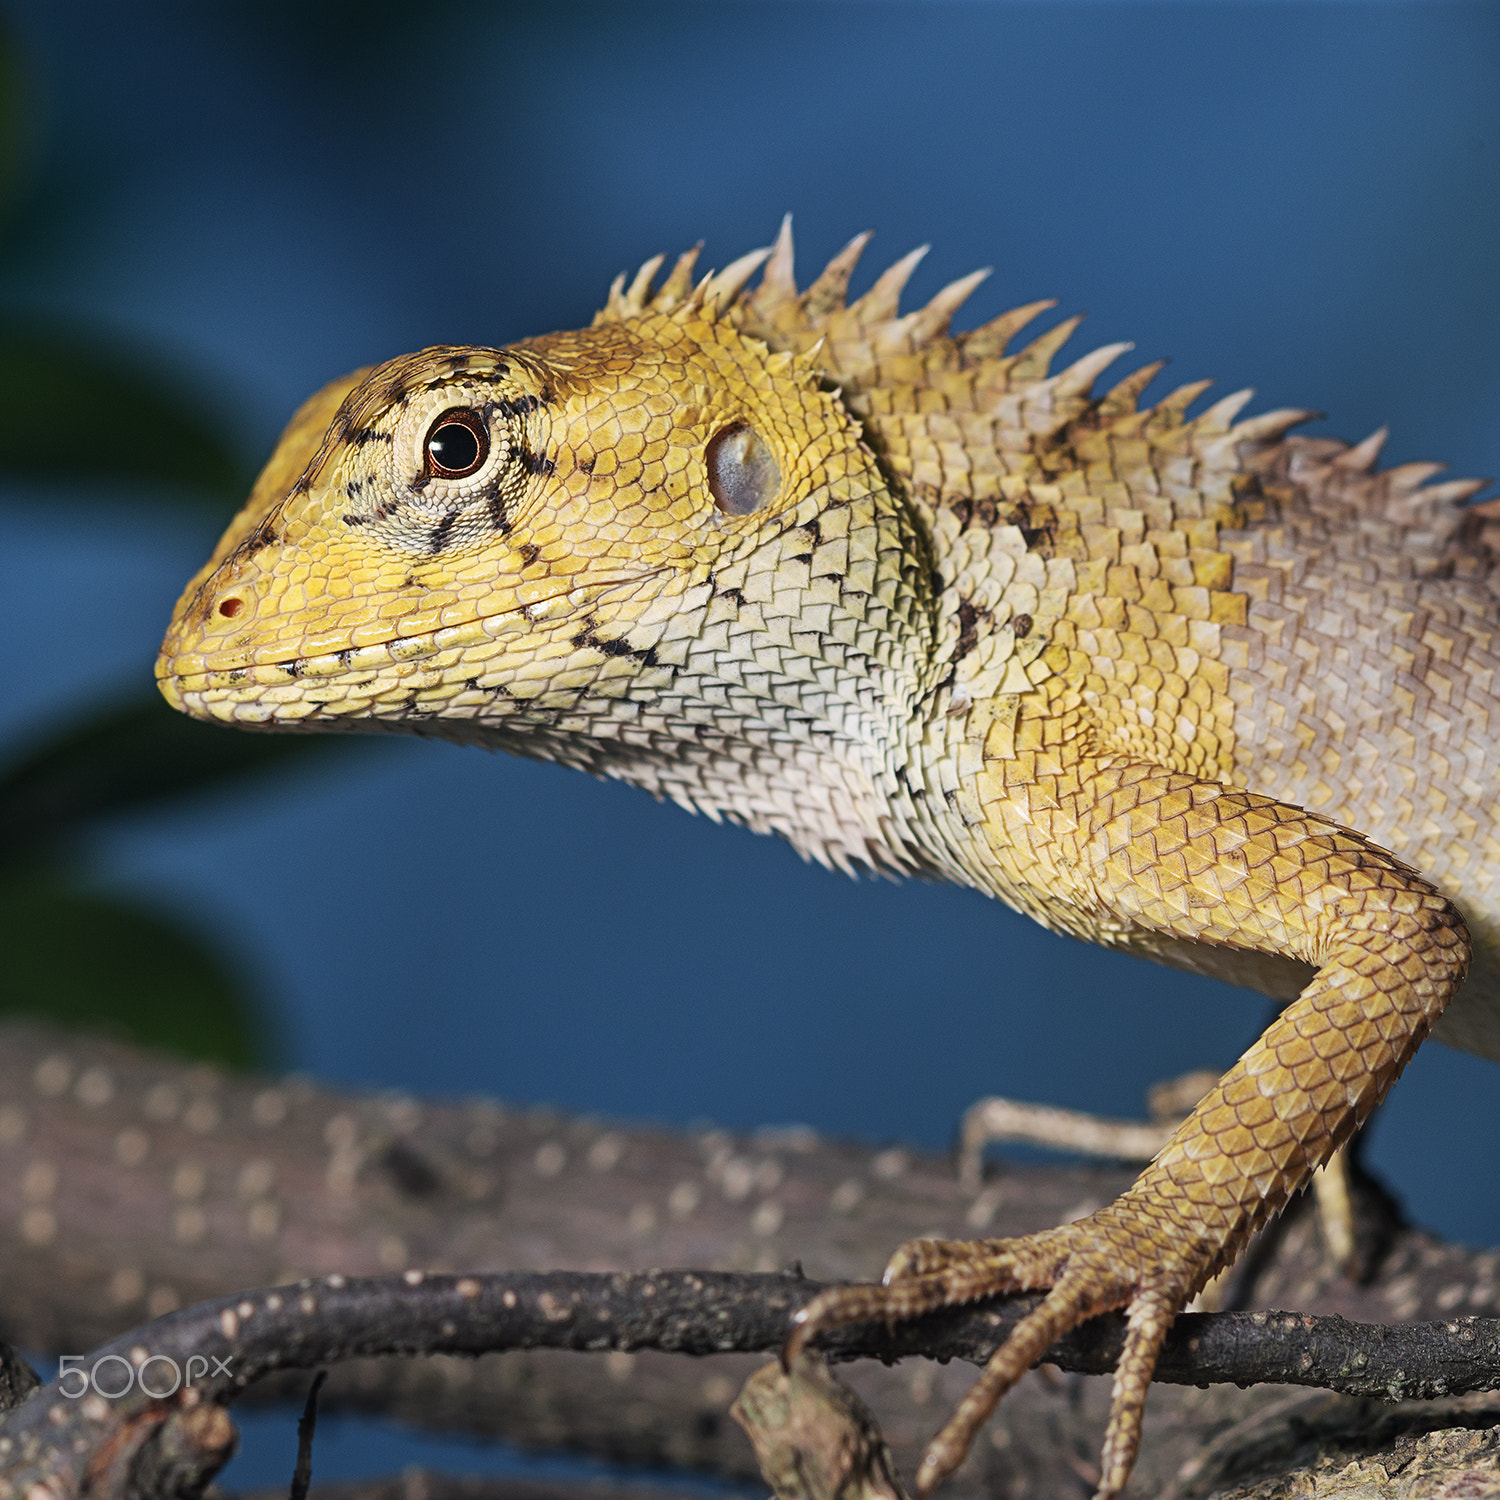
x: 1142, y: 848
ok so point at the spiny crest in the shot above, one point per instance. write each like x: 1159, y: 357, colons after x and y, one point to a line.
x: 1432, y: 516
x: 869, y: 345
x: 679, y: 294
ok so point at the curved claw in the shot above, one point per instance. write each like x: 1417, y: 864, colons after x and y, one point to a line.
x: 1079, y: 1263
x: 1028, y: 1342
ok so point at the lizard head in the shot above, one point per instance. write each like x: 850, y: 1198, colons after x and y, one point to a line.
x: 595, y: 547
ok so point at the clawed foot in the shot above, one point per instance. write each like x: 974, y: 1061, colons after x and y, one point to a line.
x: 1117, y: 1258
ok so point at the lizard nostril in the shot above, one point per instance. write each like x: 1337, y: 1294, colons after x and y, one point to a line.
x: 230, y: 607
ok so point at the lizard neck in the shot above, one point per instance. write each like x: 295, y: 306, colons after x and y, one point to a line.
x: 782, y: 687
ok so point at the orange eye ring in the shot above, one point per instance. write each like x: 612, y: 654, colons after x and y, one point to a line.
x: 457, y: 444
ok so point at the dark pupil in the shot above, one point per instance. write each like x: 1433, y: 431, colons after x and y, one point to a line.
x: 453, y: 448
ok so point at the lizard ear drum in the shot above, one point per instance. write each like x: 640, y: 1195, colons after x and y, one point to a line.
x: 742, y: 471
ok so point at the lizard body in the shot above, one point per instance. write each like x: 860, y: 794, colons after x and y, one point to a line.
x: 915, y: 603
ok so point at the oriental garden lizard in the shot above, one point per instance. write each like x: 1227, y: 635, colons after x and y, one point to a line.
x: 1184, y: 686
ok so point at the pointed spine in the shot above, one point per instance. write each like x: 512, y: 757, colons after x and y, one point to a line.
x: 639, y: 292
x: 1270, y: 426
x: 1033, y: 362
x: 725, y: 286
x: 830, y: 291
x: 1219, y: 418
x: 1405, y: 478
x: 882, y: 301
x: 1077, y: 379
x: 1122, y: 398
x: 680, y: 282
x: 924, y: 325
x: 1456, y: 491
x: 988, y: 341
x: 1361, y: 457
x: 779, y: 284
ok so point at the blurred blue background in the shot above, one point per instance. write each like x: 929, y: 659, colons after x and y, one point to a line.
x: 1300, y: 197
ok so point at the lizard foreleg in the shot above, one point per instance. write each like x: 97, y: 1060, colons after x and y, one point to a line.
x: 1194, y: 859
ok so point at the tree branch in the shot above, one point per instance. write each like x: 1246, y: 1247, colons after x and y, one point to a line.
x: 67, y: 1434
x: 130, y: 1184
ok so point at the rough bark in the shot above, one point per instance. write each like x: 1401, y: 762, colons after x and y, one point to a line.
x: 129, y: 1185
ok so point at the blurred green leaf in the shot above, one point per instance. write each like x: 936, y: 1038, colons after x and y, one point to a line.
x: 72, y: 408
x: 15, y: 113
x: 143, y: 751
x: 86, y: 960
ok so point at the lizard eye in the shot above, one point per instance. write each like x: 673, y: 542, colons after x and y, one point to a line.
x: 742, y: 472
x: 457, y: 443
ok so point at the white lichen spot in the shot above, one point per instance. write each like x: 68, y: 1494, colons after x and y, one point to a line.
x: 201, y: 1116
x: 263, y: 1220
x: 890, y: 1164
x: 246, y: 1310
x: 127, y: 1285
x: 336, y: 1281
x: 468, y: 1288
x: 256, y: 1178
x: 39, y: 1181
x: 793, y: 1137
x: 509, y: 1299
x: 642, y: 1220
x: 554, y: 1308
x: 132, y: 1146
x: 273, y: 1302
x: 189, y: 1225
x: 550, y: 1159
x: 38, y: 1226
x: 605, y: 1153
x: 95, y: 1088
x: 402, y: 1113
x: 718, y: 1390
x: 307, y: 1303
x: 737, y: 1179
x: 683, y: 1200
x: 13, y: 1123
x: 768, y: 1176
x: 161, y: 1103
x: 229, y: 1323
x: 96, y: 1409
x: 847, y: 1196
x: 189, y: 1181
x: 268, y: 1108
x: 53, y: 1075
x: 767, y: 1219
x: 715, y: 1144
x: 414, y: 1278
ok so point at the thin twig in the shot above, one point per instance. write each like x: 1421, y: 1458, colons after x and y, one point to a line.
x: 307, y: 1425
